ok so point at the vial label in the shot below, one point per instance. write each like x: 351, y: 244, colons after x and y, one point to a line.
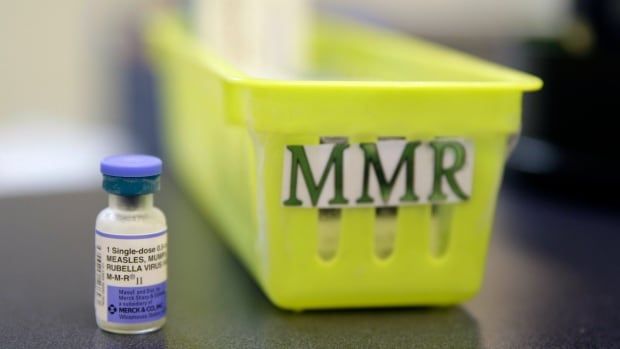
x: 130, y: 284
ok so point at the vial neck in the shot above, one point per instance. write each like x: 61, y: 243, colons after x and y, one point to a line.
x: 130, y: 203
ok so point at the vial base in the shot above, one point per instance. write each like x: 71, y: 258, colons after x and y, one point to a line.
x: 141, y: 328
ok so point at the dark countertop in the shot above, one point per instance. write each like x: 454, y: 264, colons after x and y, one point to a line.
x: 552, y: 280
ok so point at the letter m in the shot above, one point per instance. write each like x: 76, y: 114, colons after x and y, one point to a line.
x: 299, y: 163
x: 386, y: 184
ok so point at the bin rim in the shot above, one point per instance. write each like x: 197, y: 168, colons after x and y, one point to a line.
x: 166, y: 32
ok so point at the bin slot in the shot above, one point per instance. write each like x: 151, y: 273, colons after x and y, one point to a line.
x: 329, y: 233
x: 385, y: 231
x: 329, y: 219
x: 441, y: 225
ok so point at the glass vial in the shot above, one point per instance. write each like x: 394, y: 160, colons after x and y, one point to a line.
x: 130, y: 248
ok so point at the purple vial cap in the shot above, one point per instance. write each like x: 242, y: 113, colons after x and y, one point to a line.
x: 131, y: 165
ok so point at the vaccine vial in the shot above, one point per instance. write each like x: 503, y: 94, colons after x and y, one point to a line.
x: 130, y: 248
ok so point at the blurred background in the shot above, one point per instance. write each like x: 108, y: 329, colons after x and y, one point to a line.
x: 76, y: 85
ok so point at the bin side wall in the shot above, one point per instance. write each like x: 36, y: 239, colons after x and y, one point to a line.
x: 413, y: 275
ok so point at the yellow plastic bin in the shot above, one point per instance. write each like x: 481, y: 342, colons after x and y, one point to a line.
x: 229, y: 139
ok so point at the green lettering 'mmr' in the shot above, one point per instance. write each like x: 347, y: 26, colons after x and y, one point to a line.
x: 299, y: 160
x: 372, y: 159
